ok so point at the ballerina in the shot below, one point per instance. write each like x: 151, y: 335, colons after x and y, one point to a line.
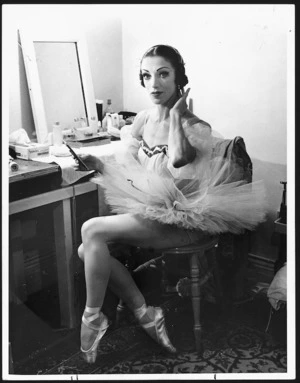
x: 167, y: 190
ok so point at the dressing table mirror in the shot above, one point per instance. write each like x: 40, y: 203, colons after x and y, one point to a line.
x: 59, y: 81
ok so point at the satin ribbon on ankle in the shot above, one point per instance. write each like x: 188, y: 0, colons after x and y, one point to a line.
x: 92, y: 310
x: 140, y: 312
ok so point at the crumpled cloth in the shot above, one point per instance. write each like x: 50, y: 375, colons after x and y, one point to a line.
x: 19, y: 136
x: 277, y: 289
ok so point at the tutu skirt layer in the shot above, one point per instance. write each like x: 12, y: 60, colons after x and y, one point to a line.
x: 209, y: 202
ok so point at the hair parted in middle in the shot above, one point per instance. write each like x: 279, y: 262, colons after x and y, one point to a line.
x: 174, y: 57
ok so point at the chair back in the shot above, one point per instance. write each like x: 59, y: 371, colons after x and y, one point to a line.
x: 234, y: 150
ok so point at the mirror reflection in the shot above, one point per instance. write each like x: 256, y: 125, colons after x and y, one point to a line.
x: 61, y: 84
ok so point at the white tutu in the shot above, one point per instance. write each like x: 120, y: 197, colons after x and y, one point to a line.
x: 209, y: 202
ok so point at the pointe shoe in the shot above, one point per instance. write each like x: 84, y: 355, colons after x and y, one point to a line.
x: 157, y: 330
x: 90, y: 355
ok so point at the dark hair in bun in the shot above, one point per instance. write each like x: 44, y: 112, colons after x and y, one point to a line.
x: 173, y: 56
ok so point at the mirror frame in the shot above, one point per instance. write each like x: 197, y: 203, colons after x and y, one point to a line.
x: 27, y: 39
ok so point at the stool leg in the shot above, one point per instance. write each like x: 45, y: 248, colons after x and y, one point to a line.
x: 119, y: 311
x: 217, y: 278
x: 196, y: 298
x: 164, y: 279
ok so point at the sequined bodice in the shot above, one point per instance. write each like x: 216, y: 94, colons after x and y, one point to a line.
x: 154, y: 158
x: 157, y: 149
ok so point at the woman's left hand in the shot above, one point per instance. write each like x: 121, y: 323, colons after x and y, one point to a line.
x: 181, y: 106
x: 91, y: 162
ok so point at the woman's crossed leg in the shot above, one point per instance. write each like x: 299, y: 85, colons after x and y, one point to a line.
x: 101, y: 269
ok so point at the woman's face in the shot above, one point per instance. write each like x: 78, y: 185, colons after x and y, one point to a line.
x: 159, y: 79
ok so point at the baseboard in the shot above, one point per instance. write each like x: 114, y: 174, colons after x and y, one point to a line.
x: 263, y: 266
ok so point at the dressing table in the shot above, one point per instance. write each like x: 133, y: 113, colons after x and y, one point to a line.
x: 44, y: 227
x: 46, y: 195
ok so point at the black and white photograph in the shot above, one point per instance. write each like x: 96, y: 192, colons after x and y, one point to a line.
x: 148, y: 203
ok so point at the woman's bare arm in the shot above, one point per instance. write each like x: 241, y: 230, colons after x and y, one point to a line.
x: 181, y: 152
x: 138, y: 125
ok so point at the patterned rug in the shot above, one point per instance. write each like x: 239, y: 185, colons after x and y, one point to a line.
x: 231, y: 344
x: 241, y: 350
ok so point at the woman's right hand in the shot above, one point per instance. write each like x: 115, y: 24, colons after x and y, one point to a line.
x: 92, y: 162
x: 180, y: 106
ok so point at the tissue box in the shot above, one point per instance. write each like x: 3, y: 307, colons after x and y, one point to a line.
x: 30, y: 151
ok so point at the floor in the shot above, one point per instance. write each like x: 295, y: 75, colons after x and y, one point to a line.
x: 35, y: 325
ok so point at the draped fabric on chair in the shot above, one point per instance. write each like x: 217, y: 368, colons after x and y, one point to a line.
x: 234, y: 151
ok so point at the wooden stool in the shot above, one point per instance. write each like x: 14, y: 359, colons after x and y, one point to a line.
x: 196, y: 251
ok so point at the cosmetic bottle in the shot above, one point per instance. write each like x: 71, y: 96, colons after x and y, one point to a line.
x: 107, y: 115
x: 99, y: 108
x: 57, y: 134
x: 83, y: 122
x: 109, y: 108
x: 77, y: 123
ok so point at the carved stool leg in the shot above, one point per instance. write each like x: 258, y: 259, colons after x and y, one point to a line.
x: 217, y: 278
x: 164, y: 279
x: 196, y: 298
x: 119, y: 311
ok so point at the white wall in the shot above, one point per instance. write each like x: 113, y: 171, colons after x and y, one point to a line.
x: 236, y: 63
x: 103, y: 34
